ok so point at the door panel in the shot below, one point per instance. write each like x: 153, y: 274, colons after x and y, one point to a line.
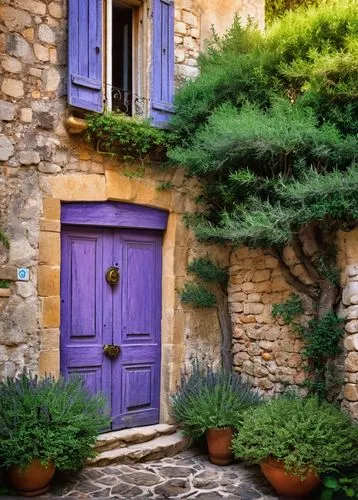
x: 128, y: 314
x: 82, y: 298
x: 136, y: 328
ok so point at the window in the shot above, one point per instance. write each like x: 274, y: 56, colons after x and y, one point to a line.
x: 121, y: 56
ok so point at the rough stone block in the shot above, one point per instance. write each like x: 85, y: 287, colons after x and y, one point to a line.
x: 49, y: 248
x: 50, y: 225
x: 46, y: 34
x: 51, y: 209
x: 79, y: 187
x: 6, y: 148
x: 7, y: 111
x: 11, y: 64
x: 29, y: 157
x: 29, y: 34
x: 351, y: 392
x: 33, y: 6
x: 352, y: 326
x: 51, y: 79
x: 21, y: 253
x: 189, y: 18
x: 51, y: 312
x: 180, y: 28
x: 261, y: 276
x: 14, y: 19
x: 50, y: 339
x: 26, y: 115
x: 351, y: 342
x: 55, y: 10
x: 351, y: 362
x: 41, y: 52
x: 49, y: 363
x: 12, y: 87
x: 8, y: 273
x: 253, y: 308
x: 48, y: 281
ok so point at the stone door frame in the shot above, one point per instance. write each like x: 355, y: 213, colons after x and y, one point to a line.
x: 110, y: 187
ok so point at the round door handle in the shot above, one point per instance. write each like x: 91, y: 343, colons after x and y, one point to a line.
x: 112, y: 276
x: 111, y: 351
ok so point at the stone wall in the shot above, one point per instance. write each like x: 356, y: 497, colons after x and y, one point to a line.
x: 265, y: 350
x: 349, y: 277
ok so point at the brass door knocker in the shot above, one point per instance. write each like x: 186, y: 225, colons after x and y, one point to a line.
x: 111, y: 351
x: 112, y: 276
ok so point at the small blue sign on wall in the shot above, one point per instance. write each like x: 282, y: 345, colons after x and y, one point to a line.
x: 23, y: 274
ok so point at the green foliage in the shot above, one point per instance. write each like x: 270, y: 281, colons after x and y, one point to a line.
x: 197, y: 295
x: 164, y: 186
x: 321, y: 339
x: 48, y: 419
x: 289, y: 205
x: 4, y: 240
x: 5, y: 283
x: 303, y: 433
x: 289, y: 309
x: 210, y: 399
x: 130, y: 137
x: 208, y: 271
x: 277, y: 8
x: 341, y: 485
x: 270, y: 127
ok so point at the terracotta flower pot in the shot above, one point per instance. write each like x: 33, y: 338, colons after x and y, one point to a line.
x: 219, y: 445
x: 285, y: 483
x: 32, y: 480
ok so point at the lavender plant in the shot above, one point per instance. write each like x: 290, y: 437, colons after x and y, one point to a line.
x: 210, y: 399
x: 48, y: 419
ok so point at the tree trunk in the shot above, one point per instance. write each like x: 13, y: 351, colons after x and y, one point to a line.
x: 226, y: 329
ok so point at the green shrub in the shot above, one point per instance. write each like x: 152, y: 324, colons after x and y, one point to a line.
x: 48, y: 419
x: 208, y: 399
x: 130, y: 137
x: 303, y: 433
x: 197, y: 295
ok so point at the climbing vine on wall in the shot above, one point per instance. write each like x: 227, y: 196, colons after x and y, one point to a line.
x: 321, y: 337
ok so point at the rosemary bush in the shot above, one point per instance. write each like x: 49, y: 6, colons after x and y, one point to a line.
x: 48, y: 419
x: 208, y: 399
x: 303, y: 433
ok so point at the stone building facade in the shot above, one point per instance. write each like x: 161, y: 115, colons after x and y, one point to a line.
x: 42, y: 167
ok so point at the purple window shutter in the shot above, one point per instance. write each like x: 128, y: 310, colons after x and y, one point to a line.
x: 85, y: 54
x: 163, y: 62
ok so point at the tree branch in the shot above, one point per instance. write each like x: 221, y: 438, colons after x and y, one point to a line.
x: 305, y: 260
x: 293, y: 280
x: 226, y: 328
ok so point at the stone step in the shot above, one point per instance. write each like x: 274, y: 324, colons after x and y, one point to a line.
x: 160, y: 447
x: 126, y: 437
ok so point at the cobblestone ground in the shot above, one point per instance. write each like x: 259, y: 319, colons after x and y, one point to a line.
x: 188, y: 475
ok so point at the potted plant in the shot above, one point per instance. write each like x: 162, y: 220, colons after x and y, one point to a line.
x: 211, y: 403
x: 295, y: 440
x: 46, y: 424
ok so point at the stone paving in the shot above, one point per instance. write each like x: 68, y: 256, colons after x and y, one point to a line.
x: 188, y: 475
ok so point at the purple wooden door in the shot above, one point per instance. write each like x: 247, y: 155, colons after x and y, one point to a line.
x: 127, y: 315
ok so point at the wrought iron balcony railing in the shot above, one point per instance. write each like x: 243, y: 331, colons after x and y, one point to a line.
x: 124, y: 101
